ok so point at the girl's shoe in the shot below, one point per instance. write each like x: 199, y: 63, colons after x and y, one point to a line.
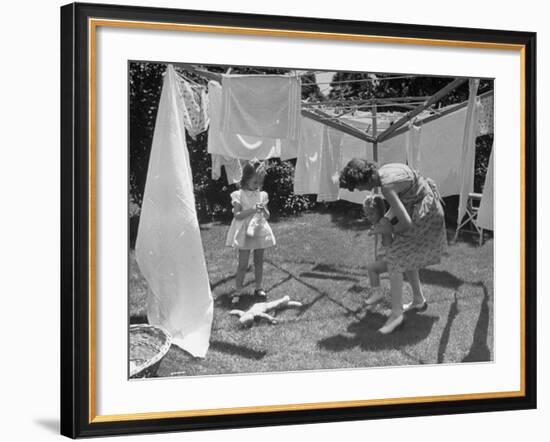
x: 261, y: 293
x: 392, y: 325
x: 412, y: 307
x: 374, y: 299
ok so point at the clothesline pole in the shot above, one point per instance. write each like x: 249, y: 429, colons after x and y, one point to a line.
x: 321, y: 117
x: 375, y: 159
x: 432, y: 100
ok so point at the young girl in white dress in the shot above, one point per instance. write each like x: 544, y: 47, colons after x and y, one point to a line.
x: 249, y: 230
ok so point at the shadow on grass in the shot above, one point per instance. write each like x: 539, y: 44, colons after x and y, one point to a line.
x: 315, y: 275
x: 440, y: 278
x: 365, y: 334
x: 320, y: 293
x: 331, y: 268
x: 444, y: 341
x: 237, y: 350
x: 479, y: 350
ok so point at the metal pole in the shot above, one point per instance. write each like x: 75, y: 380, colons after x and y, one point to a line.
x: 375, y: 159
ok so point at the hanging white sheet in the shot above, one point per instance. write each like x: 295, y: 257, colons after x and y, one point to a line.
x: 245, y: 147
x: 307, y: 173
x: 331, y: 164
x: 261, y: 105
x: 440, y: 151
x: 467, y: 161
x: 168, y: 248
x: 486, y: 210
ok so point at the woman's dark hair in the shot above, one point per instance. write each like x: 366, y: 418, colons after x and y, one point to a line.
x: 250, y: 169
x: 355, y: 173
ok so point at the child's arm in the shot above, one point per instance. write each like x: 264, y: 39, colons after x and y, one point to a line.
x: 239, y: 213
x: 263, y: 205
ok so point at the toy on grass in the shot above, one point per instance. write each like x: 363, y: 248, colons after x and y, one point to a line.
x: 261, y: 309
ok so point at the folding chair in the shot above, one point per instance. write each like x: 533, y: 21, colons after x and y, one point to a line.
x: 470, y: 217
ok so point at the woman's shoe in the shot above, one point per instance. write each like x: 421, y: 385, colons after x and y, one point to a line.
x: 261, y: 293
x: 412, y: 307
x: 374, y: 299
x: 391, y: 325
x: 235, y: 299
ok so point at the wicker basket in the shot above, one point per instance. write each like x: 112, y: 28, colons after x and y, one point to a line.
x: 148, y: 345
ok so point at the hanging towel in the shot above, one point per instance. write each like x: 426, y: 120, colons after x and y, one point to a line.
x: 261, y: 105
x: 240, y: 146
x: 331, y: 164
x: 232, y: 166
x: 467, y: 162
x: 486, y: 210
x: 168, y: 248
x: 486, y: 115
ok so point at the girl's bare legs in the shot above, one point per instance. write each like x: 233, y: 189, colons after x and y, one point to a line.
x: 396, y: 289
x: 374, y: 270
x: 242, y: 267
x: 259, y: 268
x: 414, y: 281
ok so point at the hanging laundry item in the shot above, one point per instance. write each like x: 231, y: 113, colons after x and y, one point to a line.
x: 261, y: 106
x: 307, y: 173
x: 413, y: 145
x: 169, y: 250
x: 331, y: 164
x: 467, y: 162
x: 353, y: 147
x: 486, y: 208
x: 232, y: 166
x: 245, y: 147
x: 195, y: 107
x: 440, y: 151
x: 486, y: 117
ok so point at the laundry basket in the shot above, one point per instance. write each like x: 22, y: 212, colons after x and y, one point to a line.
x: 148, y: 345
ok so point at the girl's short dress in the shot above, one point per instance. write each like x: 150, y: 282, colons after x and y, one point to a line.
x: 237, y: 237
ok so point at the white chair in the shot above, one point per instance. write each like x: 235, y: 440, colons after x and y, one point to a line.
x: 470, y: 217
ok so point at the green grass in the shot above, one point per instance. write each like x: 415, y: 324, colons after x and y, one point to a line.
x: 320, y: 260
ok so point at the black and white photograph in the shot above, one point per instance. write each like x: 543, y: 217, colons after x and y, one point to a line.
x: 289, y: 219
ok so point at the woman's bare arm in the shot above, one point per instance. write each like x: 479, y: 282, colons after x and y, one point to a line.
x: 404, y: 220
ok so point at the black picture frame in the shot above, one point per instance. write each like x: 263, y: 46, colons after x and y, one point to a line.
x: 75, y: 220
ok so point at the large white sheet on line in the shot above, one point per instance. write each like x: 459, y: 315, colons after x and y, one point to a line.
x: 261, y: 105
x: 245, y: 147
x: 485, y: 214
x: 441, y: 151
x: 319, y: 162
x: 168, y: 248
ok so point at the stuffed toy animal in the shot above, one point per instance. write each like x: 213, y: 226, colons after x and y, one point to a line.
x: 261, y: 309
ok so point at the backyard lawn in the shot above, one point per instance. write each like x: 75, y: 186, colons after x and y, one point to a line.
x: 320, y: 260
